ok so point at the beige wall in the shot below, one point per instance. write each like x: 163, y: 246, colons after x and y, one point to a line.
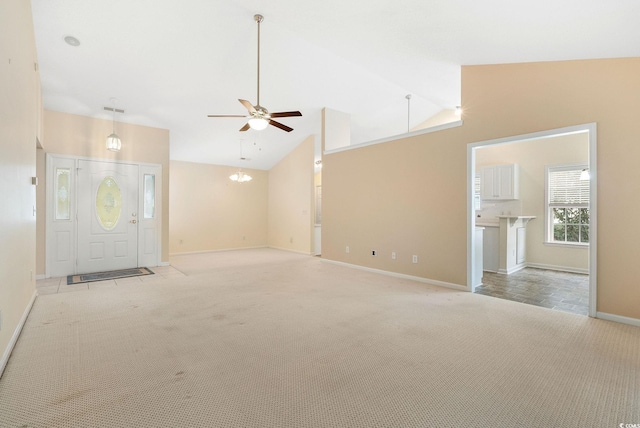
x: 19, y: 112
x: 291, y: 200
x: 69, y: 134
x: 532, y: 157
x: 409, y: 195
x: 210, y: 212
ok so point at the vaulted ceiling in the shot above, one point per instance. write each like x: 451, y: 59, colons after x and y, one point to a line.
x: 170, y: 64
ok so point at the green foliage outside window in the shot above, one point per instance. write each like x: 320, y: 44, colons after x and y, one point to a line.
x: 571, y: 224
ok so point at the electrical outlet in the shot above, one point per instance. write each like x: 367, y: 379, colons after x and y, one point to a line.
x: 373, y: 252
x: 346, y: 250
x: 291, y: 240
x: 393, y: 255
x: 415, y: 259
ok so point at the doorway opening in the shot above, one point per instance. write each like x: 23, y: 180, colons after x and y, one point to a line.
x: 522, y: 245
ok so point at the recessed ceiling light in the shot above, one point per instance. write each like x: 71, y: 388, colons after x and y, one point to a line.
x: 72, y: 41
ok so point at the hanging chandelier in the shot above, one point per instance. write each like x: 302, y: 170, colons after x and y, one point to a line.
x: 240, y: 177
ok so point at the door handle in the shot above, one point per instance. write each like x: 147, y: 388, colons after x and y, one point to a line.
x: 133, y: 221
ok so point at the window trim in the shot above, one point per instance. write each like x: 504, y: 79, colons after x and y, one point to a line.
x: 548, y: 223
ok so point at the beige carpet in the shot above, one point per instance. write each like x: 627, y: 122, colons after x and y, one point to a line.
x: 264, y: 338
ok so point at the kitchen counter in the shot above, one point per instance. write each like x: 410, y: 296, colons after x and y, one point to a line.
x: 512, y: 219
x: 495, y: 221
x: 487, y: 223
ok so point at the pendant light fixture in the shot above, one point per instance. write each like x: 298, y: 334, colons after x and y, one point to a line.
x: 114, y: 143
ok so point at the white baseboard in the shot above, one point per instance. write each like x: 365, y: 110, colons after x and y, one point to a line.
x: 186, y: 253
x: 290, y: 250
x: 39, y: 277
x: 399, y: 275
x: 618, y: 318
x: 558, y: 268
x: 512, y: 270
x: 164, y: 264
x: 16, y: 334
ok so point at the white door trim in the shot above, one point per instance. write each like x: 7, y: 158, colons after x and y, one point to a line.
x: 591, y: 128
x: 61, y: 235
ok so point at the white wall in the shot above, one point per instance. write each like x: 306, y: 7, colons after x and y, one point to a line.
x: 336, y: 127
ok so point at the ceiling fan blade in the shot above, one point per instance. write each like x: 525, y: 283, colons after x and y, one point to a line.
x: 281, y: 126
x: 225, y: 115
x: 247, y: 105
x: 286, y: 114
x: 245, y: 127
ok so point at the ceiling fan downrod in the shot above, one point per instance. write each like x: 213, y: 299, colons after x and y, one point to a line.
x: 258, y: 18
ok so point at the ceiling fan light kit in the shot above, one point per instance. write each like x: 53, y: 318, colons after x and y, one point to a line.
x: 259, y: 117
x: 258, y: 123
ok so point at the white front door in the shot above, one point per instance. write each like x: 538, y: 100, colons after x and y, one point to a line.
x: 107, y: 216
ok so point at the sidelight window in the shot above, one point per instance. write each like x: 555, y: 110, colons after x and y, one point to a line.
x: 149, y: 208
x: 63, y: 195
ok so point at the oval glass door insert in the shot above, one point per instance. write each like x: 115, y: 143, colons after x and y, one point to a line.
x: 108, y: 203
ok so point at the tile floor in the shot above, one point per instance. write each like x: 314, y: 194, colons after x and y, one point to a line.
x: 564, y: 291
x: 59, y: 284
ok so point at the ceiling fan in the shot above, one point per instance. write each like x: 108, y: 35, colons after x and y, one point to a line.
x: 259, y: 117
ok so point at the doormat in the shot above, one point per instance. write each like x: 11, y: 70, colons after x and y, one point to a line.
x: 102, y: 276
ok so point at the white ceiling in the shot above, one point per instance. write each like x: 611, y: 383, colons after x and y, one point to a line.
x: 171, y: 63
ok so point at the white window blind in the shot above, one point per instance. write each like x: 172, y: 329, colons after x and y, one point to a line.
x: 566, y: 188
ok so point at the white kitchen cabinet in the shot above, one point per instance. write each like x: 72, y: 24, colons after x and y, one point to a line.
x: 500, y: 182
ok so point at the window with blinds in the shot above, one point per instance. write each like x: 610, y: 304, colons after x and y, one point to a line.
x: 566, y: 188
x: 568, y: 204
